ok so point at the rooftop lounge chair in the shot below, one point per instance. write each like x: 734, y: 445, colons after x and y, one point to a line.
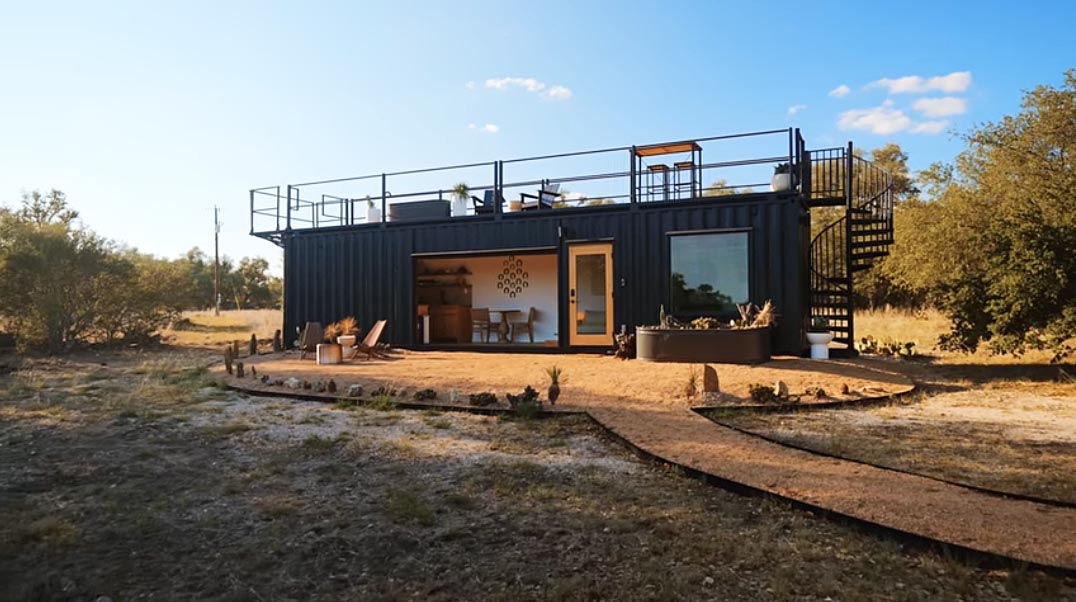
x: 368, y: 346
x: 486, y: 204
x: 543, y: 200
x: 312, y: 334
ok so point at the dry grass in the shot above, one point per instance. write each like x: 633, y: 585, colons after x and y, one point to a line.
x: 134, y: 502
x: 207, y: 330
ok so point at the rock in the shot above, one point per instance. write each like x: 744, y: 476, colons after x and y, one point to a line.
x: 780, y: 389
x: 293, y: 383
x: 239, y: 372
x: 253, y: 372
x: 319, y: 387
x: 278, y: 346
x: 278, y: 382
x: 331, y: 386
x: 710, y: 397
x: 709, y: 380
x: 253, y: 344
x: 228, y: 357
x: 265, y: 378
x: 102, y: 599
x: 307, y: 385
x: 354, y: 391
x: 844, y: 389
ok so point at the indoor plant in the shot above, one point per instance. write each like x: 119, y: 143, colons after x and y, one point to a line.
x: 819, y: 337
x: 782, y: 178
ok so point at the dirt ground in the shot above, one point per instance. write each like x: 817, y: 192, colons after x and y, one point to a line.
x: 133, y: 477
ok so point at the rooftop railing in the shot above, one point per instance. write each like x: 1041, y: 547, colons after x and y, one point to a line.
x: 664, y: 172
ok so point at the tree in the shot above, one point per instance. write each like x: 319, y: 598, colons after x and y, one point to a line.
x: 993, y: 247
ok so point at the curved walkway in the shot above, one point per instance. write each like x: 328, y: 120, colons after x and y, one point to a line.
x: 921, y: 507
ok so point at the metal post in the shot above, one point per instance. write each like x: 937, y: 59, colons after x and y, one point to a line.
x: 633, y: 175
x: 849, y: 180
x: 384, y: 192
x: 498, y: 187
x: 216, y: 261
x: 252, y: 212
x: 289, y: 208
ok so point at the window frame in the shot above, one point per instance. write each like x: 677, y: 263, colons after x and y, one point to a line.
x: 669, y: 270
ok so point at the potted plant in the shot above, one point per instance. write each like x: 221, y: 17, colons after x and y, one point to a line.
x: 782, y: 178
x: 516, y: 205
x: 461, y: 193
x: 819, y: 337
x: 344, y: 333
x: 373, y: 214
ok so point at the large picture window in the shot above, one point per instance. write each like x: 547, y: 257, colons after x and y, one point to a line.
x: 709, y: 272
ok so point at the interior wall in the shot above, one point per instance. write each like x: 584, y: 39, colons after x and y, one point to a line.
x: 539, y: 272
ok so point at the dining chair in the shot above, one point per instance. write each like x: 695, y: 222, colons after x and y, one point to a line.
x: 480, y: 321
x: 528, y: 325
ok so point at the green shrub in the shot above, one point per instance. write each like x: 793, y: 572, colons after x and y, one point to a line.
x: 527, y: 404
x: 482, y: 399
x: 763, y: 393
x: 887, y: 347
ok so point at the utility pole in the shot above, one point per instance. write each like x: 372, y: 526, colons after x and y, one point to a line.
x: 216, y: 261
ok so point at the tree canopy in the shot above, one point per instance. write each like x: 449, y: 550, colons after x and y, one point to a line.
x: 992, y: 246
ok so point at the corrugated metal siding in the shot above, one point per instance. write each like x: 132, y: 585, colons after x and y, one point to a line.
x: 368, y: 271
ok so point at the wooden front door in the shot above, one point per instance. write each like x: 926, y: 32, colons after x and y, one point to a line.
x: 590, y: 294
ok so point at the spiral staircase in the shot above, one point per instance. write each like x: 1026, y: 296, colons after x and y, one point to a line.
x: 859, y: 234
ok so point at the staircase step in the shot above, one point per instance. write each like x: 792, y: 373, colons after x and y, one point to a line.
x: 862, y: 244
x: 825, y: 202
x: 833, y: 292
x: 831, y: 305
x: 865, y: 221
x: 858, y: 257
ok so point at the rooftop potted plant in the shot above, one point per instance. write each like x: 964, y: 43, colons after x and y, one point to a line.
x: 461, y: 193
x: 782, y: 178
x: 819, y: 337
x: 373, y: 214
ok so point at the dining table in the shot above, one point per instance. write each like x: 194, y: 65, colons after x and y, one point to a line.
x: 504, y: 333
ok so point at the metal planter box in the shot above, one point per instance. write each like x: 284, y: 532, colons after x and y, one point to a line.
x: 726, y: 346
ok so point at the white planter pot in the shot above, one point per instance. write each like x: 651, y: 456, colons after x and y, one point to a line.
x: 347, y: 342
x: 459, y: 207
x: 373, y: 215
x: 819, y: 344
x: 781, y: 182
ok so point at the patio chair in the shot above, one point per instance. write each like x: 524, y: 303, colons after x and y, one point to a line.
x: 484, y: 205
x: 543, y: 200
x: 368, y: 346
x: 481, y: 322
x: 528, y: 326
x: 313, y: 334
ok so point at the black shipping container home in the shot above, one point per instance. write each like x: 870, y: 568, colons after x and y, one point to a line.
x: 560, y: 251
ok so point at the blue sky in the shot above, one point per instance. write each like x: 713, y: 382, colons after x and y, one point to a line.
x: 147, y: 114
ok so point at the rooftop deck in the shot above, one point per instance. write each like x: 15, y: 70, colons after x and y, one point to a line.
x: 662, y: 172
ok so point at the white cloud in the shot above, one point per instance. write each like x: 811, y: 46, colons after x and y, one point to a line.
x: 958, y: 81
x: 530, y: 85
x: 941, y: 107
x: 489, y: 128
x: 840, y: 91
x: 881, y: 120
x: 527, y: 83
x: 795, y: 109
x: 559, y: 93
x: 930, y: 127
x: 469, y: 85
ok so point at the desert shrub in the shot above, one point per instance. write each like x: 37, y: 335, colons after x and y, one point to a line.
x: 888, y: 347
x: 705, y: 323
x: 482, y: 399
x: 763, y: 393
x: 527, y: 404
x: 425, y: 395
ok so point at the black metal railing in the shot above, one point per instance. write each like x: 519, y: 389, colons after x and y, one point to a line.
x: 569, y: 180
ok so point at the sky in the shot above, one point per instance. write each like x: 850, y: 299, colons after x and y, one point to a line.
x: 147, y: 114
